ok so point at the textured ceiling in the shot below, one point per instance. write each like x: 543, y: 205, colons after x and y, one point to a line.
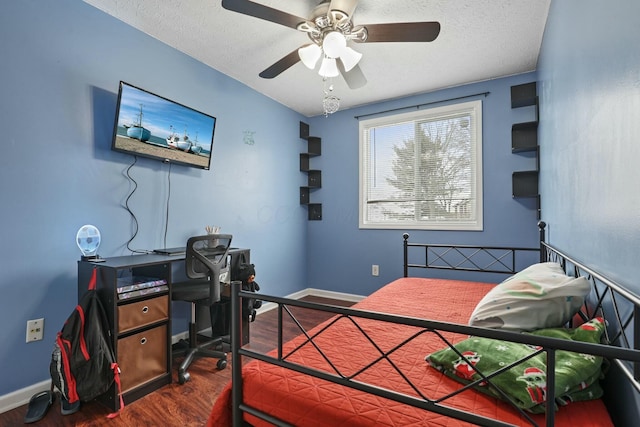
x: 479, y: 40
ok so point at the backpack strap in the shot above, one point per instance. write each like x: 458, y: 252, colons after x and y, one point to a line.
x: 94, y: 279
x: 116, y: 376
x: 114, y: 366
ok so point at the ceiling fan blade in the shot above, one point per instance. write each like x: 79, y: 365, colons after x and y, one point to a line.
x: 281, y: 65
x: 403, y: 32
x: 260, y: 11
x: 355, y: 77
x: 346, y: 6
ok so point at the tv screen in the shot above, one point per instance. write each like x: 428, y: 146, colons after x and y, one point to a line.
x: 152, y: 126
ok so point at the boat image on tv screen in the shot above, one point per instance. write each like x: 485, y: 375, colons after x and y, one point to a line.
x: 152, y: 126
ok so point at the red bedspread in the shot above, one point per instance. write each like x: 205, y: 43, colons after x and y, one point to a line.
x: 304, y: 401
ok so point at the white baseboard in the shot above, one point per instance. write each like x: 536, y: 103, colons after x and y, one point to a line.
x: 21, y: 397
x: 181, y: 336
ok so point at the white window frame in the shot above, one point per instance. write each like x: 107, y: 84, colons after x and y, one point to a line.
x: 474, y: 110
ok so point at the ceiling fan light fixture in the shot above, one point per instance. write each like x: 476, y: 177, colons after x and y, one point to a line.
x: 334, y: 44
x: 329, y: 68
x: 350, y: 58
x: 309, y: 55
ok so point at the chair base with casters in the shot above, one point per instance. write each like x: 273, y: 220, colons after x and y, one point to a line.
x: 192, y: 350
x: 203, y: 263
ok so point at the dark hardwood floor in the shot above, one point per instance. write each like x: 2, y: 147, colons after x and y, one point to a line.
x: 175, y: 404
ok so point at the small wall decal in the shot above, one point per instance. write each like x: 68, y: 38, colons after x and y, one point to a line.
x: 248, y: 137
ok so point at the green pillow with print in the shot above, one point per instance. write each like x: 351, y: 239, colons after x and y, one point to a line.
x: 576, y: 379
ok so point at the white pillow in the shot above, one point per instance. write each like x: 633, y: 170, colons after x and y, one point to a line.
x: 540, y: 296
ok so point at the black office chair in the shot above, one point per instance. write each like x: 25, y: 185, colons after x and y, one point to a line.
x: 206, y: 256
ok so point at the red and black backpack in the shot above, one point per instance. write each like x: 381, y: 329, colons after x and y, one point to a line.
x: 83, y: 364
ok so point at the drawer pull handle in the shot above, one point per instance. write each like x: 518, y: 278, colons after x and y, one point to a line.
x: 143, y: 341
x: 145, y: 309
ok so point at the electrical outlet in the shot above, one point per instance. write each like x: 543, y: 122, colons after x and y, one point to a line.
x: 375, y: 270
x: 35, y: 330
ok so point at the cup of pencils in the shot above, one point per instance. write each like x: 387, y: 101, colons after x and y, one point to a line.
x: 212, y: 229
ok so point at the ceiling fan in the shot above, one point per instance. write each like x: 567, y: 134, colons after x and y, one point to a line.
x: 331, y: 30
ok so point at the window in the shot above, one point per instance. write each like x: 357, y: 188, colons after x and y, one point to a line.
x: 423, y: 170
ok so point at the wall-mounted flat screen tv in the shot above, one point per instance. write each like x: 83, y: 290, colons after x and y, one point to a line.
x: 150, y: 125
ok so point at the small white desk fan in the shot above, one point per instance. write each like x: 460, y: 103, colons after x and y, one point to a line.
x: 88, y: 240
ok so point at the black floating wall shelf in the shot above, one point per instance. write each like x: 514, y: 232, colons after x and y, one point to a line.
x: 524, y: 95
x: 314, y: 176
x: 524, y: 138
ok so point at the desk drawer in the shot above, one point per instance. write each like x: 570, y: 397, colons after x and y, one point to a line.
x: 142, y: 357
x: 142, y: 313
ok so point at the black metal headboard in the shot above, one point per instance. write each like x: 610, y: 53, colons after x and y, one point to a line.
x: 485, y: 259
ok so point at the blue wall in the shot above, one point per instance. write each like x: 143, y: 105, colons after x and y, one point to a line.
x: 340, y: 255
x: 590, y: 109
x: 62, y: 64
x: 589, y: 74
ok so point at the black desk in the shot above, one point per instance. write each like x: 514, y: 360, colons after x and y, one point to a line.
x: 141, y: 324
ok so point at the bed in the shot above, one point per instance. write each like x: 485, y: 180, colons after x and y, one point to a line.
x: 421, y: 351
